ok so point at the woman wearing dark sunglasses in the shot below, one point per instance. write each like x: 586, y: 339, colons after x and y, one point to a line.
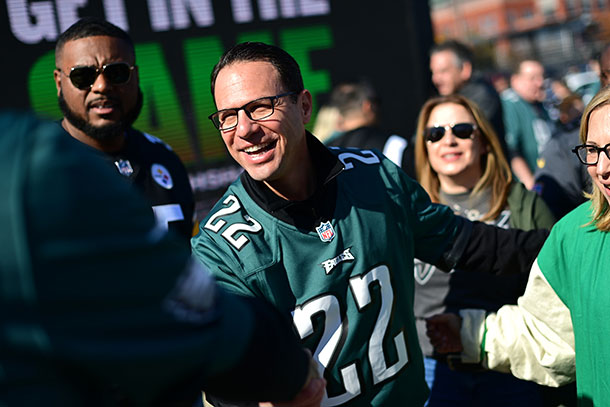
x: 460, y: 163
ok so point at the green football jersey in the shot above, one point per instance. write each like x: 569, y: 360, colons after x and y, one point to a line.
x: 573, y: 260
x: 348, y: 285
x: 527, y: 126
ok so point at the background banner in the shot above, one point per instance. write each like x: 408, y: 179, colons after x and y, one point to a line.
x: 179, y: 41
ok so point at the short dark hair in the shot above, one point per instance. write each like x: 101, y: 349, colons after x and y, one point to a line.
x: 602, y: 51
x: 286, y: 66
x: 91, y: 27
x: 517, y: 64
x: 462, y: 52
x: 350, y: 95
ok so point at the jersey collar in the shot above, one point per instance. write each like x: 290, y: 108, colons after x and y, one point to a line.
x: 308, y: 213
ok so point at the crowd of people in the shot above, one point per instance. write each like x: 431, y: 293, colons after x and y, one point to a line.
x: 357, y: 268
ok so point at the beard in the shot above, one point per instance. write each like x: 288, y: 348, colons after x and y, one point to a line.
x: 106, y: 132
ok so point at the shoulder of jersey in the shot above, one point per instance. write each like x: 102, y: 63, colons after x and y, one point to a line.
x: 155, y: 140
x: 509, y: 95
x: 235, y: 229
x: 156, y: 149
x: 360, y: 159
x: 367, y: 170
x: 340, y: 152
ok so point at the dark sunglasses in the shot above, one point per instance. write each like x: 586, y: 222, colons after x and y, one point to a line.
x: 83, y: 77
x: 459, y: 130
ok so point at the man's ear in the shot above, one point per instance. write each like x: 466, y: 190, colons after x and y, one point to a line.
x: 367, y: 106
x: 466, y: 72
x: 57, y: 79
x: 306, y: 105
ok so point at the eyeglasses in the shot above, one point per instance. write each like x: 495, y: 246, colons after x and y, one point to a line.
x: 83, y: 77
x: 258, y: 109
x: 459, y: 130
x: 589, y: 154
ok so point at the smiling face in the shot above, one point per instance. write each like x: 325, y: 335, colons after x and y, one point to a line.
x: 456, y: 161
x: 274, y: 149
x: 96, y: 114
x: 599, y: 135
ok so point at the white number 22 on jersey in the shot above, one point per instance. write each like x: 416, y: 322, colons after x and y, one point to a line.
x: 233, y: 233
x: 335, y: 329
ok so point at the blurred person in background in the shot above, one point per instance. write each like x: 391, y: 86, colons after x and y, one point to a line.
x: 499, y: 80
x: 358, y: 124
x: 604, y: 66
x: 561, y: 179
x: 453, y: 71
x: 460, y: 164
x: 325, y: 125
x: 527, y: 123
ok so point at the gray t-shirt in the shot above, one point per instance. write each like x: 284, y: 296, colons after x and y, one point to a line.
x: 437, y: 292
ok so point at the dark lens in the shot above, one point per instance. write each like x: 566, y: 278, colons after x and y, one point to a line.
x: 434, y: 134
x: 462, y: 130
x: 83, y: 76
x: 118, y: 73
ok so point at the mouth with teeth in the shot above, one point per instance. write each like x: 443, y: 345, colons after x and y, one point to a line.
x: 260, y: 149
x: 103, y: 107
x: 451, y: 156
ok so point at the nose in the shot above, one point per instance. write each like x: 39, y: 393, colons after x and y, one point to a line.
x: 603, y: 165
x: 245, y: 125
x: 448, y: 137
x: 100, y: 84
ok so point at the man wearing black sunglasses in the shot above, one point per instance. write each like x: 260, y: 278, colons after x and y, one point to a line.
x: 99, y: 94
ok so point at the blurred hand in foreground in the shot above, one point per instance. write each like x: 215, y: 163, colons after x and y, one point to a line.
x: 311, y: 394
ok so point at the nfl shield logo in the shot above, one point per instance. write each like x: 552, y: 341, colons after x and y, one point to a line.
x: 326, y: 231
x: 124, y: 167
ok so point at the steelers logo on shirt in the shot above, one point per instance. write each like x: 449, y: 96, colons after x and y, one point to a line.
x: 161, y: 176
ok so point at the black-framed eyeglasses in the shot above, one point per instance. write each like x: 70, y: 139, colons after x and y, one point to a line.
x: 83, y: 77
x: 257, y: 109
x: 459, y: 130
x: 588, y: 154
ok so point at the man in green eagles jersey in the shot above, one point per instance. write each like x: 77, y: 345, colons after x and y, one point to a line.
x: 102, y: 306
x: 326, y: 235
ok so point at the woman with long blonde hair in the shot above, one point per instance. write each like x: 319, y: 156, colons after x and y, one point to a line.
x: 460, y: 163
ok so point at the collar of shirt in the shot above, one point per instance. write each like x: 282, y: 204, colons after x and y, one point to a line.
x: 318, y: 207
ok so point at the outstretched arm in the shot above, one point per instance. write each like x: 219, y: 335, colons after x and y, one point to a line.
x: 487, y: 248
x: 533, y: 340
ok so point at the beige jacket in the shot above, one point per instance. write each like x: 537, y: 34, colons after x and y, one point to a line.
x: 533, y: 340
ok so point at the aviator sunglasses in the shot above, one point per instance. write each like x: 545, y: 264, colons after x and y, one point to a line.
x: 459, y: 130
x: 83, y: 77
